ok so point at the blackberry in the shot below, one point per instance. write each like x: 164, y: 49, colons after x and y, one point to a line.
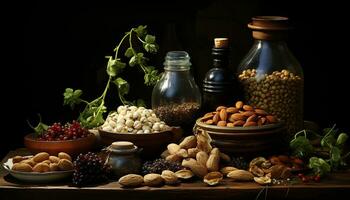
x: 158, y: 165
x: 239, y: 162
x: 90, y: 169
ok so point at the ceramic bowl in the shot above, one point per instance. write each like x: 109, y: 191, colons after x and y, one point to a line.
x: 245, y: 140
x: 72, y: 147
x: 152, y: 144
x: 36, y: 177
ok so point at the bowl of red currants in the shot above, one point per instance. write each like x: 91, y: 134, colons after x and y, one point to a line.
x: 71, y: 138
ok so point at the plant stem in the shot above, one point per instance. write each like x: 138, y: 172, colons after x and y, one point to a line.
x: 121, y: 42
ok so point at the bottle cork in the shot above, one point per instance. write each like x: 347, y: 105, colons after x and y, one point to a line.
x: 221, y: 42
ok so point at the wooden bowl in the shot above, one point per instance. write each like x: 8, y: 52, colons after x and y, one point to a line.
x: 72, y: 147
x: 255, y: 140
x: 152, y: 144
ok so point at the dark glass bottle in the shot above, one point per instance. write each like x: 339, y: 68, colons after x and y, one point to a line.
x: 220, y: 86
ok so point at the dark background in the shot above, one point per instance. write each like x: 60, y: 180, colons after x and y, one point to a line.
x: 63, y: 45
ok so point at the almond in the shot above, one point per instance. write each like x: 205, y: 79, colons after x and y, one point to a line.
x: 202, y: 158
x: 252, y: 118
x: 239, y: 104
x: 41, y: 167
x: 271, y: 119
x: 260, y: 112
x: 173, y: 148
x: 22, y: 167
x: 236, y: 117
x: 203, y: 142
x: 248, y: 113
x: 54, y: 167
x: 29, y: 161
x: 241, y: 175
x: 228, y: 169
x: 220, y: 108
x: 230, y: 125
x: 169, y: 177
x: 209, y: 122
x: 131, y: 180
x: 63, y: 155
x: 198, y: 169
x: 65, y: 165
x: 247, y: 124
x: 184, y: 174
x: 17, y: 159
x: 182, y: 153
x: 232, y: 110
x: 213, y: 162
x: 216, y: 118
x: 188, y: 142
x: 41, y: 157
x: 192, y: 152
x: 208, y: 116
x: 213, y: 178
x: 248, y: 108
x: 223, y: 115
x: 174, y: 158
x: 153, y: 179
x: 238, y: 123
x: 222, y: 123
x: 54, y: 159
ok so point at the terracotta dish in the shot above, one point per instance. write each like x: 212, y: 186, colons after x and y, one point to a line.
x: 72, y: 147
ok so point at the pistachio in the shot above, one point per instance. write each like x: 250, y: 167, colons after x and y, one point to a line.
x: 184, y: 174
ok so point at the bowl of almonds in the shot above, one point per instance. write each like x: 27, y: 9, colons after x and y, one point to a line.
x: 242, y: 128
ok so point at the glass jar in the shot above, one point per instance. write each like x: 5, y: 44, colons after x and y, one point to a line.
x: 271, y: 76
x: 176, y: 98
x: 123, y: 156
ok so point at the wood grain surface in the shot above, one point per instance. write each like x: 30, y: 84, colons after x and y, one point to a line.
x: 335, y: 186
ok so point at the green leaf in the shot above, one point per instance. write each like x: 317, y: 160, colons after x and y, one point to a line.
x: 141, y: 31
x: 335, y: 154
x: 129, y: 52
x: 114, y: 66
x: 71, y: 97
x: 123, y: 86
x: 150, y: 39
x: 301, y: 146
x: 133, y: 61
x: 319, y: 166
x: 342, y: 138
x: 150, y: 48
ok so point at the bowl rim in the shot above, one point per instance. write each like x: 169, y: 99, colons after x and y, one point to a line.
x: 243, y: 129
x: 29, y: 137
x: 6, y: 166
x: 134, y: 134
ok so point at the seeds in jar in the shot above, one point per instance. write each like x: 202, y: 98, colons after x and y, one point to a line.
x: 134, y: 120
x: 178, y: 114
x: 279, y: 93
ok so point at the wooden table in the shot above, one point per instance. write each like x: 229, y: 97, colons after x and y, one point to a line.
x: 335, y: 186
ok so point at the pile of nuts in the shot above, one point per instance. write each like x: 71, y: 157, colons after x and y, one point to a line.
x: 274, y: 168
x: 239, y: 115
x: 280, y: 93
x: 135, y: 120
x: 42, y: 162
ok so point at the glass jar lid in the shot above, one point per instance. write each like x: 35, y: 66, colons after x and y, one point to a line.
x: 177, y: 61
